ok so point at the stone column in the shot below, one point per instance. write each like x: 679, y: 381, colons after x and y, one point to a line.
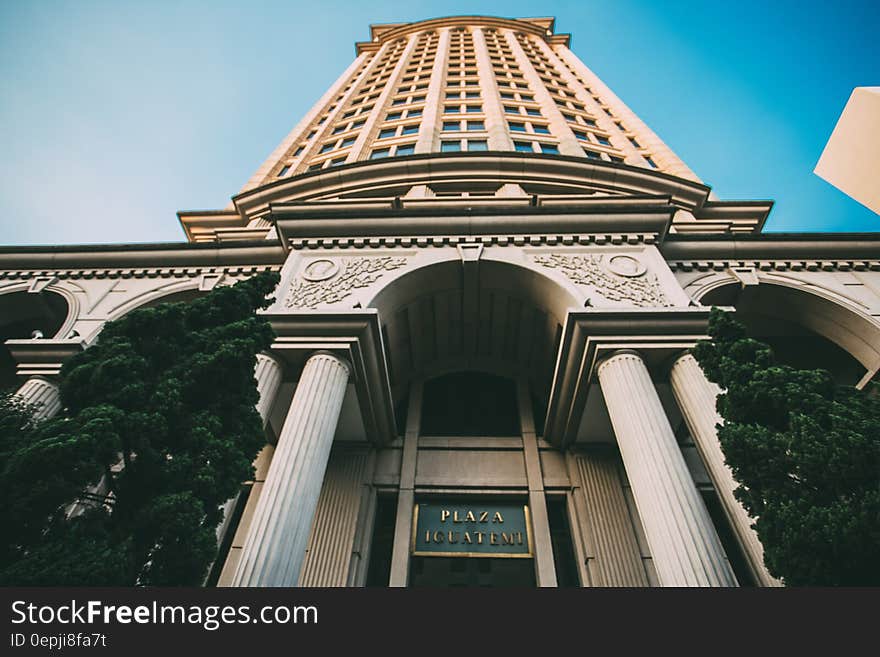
x: 268, y: 373
x: 43, y: 393
x: 279, y: 532
x: 696, y: 395
x: 684, y: 545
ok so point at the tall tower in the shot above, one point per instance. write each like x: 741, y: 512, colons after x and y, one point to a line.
x: 475, y: 85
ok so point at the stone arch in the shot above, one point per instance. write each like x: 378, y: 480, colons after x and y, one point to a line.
x: 776, y: 309
x: 181, y: 291
x: 487, y: 314
x: 24, y: 309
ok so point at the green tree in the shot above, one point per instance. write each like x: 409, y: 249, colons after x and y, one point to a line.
x: 806, y: 455
x: 170, y: 392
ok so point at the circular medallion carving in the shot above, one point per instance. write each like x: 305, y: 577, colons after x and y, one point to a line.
x: 320, y: 270
x: 625, y: 265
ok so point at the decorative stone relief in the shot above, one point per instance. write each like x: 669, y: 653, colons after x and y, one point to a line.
x: 618, y: 277
x: 326, y: 281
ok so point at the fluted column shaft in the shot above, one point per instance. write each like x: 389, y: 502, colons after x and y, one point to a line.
x: 43, y: 394
x: 684, y: 545
x: 268, y: 374
x: 696, y: 396
x: 276, y: 542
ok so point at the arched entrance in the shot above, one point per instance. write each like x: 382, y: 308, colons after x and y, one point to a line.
x: 804, y: 329
x: 471, y: 350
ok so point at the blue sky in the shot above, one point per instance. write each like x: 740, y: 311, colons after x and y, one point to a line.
x: 114, y: 114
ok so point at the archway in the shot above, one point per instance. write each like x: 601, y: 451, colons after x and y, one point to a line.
x: 28, y: 315
x: 806, y: 330
x: 489, y: 316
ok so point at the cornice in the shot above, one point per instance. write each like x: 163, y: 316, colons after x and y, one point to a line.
x: 590, y: 335
x: 89, y: 273
x: 112, y: 257
x: 383, y: 33
x: 615, y: 219
x: 355, y: 336
x: 505, y: 167
x: 41, y: 357
x: 810, y: 251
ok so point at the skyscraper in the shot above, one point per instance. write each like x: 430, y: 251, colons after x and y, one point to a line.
x: 491, y: 273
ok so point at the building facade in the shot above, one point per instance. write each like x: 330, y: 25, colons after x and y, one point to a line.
x: 491, y: 273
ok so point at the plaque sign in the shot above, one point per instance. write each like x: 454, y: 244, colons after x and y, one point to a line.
x: 476, y: 529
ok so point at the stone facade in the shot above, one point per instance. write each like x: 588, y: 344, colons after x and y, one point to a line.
x: 579, y: 280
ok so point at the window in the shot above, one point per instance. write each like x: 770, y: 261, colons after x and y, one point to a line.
x: 533, y: 112
x: 551, y: 149
x: 477, y: 145
x: 338, y: 129
x: 393, y: 116
x: 452, y: 95
x: 398, y: 101
x: 358, y: 124
x: 418, y: 99
x: 451, y: 126
x: 580, y: 135
x: 284, y: 170
x: 523, y: 146
x: 450, y: 146
x: 516, y: 127
x: 406, y: 149
x: 451, y: 109
x: 510, y: 109
x: 315, y: 167
x: 650, y: 162
x: 336, y: 162
x: 568, y: 117
x: 593, y: 155
x: 634, y: 142
x: 603, y: 140
x: 387, y: 132
x: 348, y: 141
x: 507, y: 96
x: 380, y: 153
x: 540, y: 129
x: 475, y: 125
x: 474, y: 109
x: 590, y: 122
x: 614, y: 158
x: 472, y: 94
x: 299, y: 151
x: 326, y: 148
x: 526, y: 98
x: 410, y: 129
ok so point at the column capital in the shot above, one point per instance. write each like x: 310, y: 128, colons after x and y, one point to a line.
x: 344, y: 362
x: 617, y: 354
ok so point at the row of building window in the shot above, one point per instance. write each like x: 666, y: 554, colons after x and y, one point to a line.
x: 504, y: 65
